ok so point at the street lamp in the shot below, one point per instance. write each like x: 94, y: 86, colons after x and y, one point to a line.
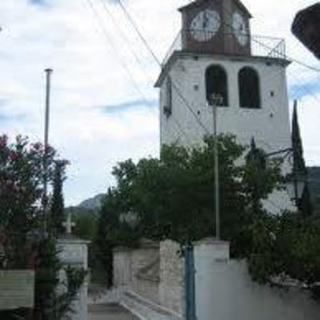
x: 295, y: 184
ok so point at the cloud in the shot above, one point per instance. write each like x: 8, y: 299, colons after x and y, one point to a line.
x: 129, y: 105
x: 301, y: 90
x: 39, y: 2
x: 5, y: 118
x: 98, y: 111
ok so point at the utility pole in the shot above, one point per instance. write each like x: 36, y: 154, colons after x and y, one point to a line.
x: 46, y: 144
x: 215, y: 101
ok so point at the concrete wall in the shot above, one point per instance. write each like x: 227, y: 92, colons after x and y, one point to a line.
x: 135, y: 269
x: 122, y: 267
x: 225, y: 291
x: 171, y: 288
x: 74, y: 253
x: 269, y: 125
x: 153, y: 272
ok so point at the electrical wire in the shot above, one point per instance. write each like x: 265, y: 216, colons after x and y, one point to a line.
x: 157, y: 60
x: 175, y: 86
x: 139, y: 61
x: 124, y: 65
x: 143, y: 39
x: 111, y: 43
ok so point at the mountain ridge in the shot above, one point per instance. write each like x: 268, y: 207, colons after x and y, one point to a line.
x: 94, y: 203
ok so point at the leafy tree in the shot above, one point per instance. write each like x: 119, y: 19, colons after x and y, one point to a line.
x: 49, y: 303
x: 286, y: 248
x: 21, y: 190
x: 85, y: 225
x: 112, y: 231
x: 173, y: 197
x: 23, y: 242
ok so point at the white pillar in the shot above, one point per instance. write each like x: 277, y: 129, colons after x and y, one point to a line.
x: 211, y: 260
x: 74, y: 252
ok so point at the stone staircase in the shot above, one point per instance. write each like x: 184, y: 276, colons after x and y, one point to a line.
x: 145, y: 309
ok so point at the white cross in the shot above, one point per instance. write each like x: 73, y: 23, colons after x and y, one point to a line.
x: 68, y: 225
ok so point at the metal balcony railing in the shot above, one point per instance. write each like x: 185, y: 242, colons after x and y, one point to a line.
x: 259, y: 46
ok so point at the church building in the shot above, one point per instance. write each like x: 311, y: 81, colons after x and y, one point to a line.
x: 217, y: 60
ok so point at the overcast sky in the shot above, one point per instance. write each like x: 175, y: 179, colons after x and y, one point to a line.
x: 104, y: 106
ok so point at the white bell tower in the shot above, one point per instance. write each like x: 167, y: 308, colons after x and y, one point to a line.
x: 216, y: 53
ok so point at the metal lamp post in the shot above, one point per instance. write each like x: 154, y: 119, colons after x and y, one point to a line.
x: 215, y: 101
x: 46, y: 145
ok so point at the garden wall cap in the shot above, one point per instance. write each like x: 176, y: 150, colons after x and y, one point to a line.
x: 147, y: 243
x: 211, y: 241
x: 68, y: 238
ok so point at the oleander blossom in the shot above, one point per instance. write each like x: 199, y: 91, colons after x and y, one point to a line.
x: 22, y: 174
x: 3, y: 141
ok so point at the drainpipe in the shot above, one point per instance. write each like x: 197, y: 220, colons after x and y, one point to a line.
x: 190, y: 294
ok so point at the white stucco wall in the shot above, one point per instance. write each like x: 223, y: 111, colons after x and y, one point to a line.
x: 224, y: 291
x: 269, y: 125
x: 74, y: 253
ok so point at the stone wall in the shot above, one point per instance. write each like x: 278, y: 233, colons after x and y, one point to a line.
x: 122, y: 267
x: 138, y: 270
x: 171, y: 288
x: 154, y: 280
x: 144, y: 273
x: 153, y: 272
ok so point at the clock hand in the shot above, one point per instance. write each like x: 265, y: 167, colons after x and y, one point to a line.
x: 205, y: 20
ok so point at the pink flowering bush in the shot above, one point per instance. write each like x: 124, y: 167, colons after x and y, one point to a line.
x: 21, y: 191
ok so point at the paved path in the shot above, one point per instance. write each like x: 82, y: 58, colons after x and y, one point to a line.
x: 109, y: 312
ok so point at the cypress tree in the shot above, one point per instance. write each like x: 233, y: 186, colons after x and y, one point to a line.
x: 57, y: 203
x: 299, y: 165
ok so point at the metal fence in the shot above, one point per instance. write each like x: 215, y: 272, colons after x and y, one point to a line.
x: 259, y: 46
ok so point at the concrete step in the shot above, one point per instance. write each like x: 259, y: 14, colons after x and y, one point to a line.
x: 146, y: 310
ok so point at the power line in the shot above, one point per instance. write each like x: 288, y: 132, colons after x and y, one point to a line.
x: 124, y: 65
x: 268, y: 47
x: 113, y: 45
x: 122, y: 34
x: 143, y: 39
x: 175, y: 86
x: 287, y: 57
x: 126, y: 40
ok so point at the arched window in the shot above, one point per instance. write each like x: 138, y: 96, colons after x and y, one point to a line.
x: 167, y: 109
x: 217, y: 84
x: 249, y: 88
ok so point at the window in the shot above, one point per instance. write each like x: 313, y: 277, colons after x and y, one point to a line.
x: 217, y: 84
x: 249, y: 88
x: 167, y: 109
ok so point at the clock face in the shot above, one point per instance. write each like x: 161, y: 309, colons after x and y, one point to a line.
x: 240, y: 29
x: 205, y: 25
